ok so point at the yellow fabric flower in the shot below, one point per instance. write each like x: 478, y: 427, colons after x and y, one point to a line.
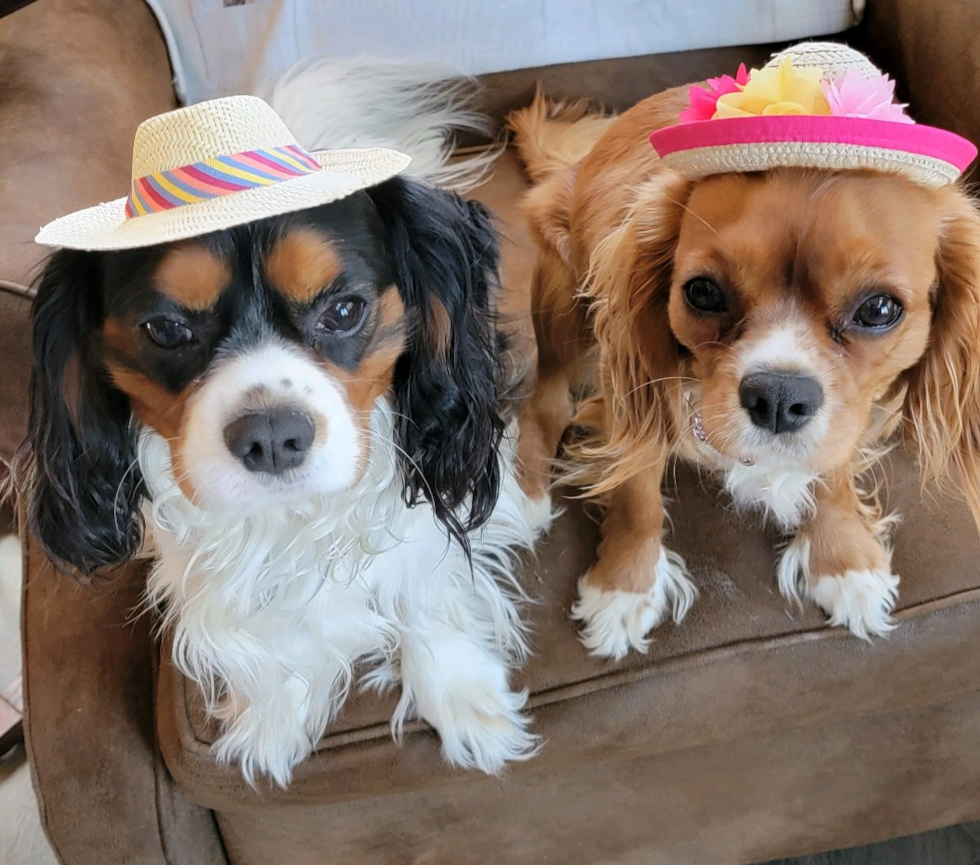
x: 785, y: 89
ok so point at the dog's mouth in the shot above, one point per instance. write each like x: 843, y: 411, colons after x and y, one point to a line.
x: 697, y: 427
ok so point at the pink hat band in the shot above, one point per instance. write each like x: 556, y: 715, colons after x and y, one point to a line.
x: 928, y: 155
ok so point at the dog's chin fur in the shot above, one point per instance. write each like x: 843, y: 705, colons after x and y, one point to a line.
x: 272, y: 612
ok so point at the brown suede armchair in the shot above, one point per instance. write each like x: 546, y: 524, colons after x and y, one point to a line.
x: 750, y: 732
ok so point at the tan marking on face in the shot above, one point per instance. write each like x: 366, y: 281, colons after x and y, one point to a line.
x: 192, y: 276
x: 302, y: 264
x: 373, y: 375
x: 162, y: 411
x: 118, y: 335
x: 153, y: 405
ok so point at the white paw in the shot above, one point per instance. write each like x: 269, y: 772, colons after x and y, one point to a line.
x: 539, y: 513
x: 477, y: 716
x: 615, y: 622
x: 485, y: 729
x: 270, y: 743
x: 861, y: 601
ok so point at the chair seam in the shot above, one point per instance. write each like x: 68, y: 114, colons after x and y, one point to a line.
x: 608, y: 681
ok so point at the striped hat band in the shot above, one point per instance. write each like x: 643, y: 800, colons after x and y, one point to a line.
x: 214, y: 165
x: 213, y: 178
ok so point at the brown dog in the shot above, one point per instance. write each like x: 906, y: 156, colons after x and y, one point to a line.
x: 777, y: 327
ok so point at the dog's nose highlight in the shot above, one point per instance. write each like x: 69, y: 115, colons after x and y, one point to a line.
x: 780, y: 402
x: 270, y: 441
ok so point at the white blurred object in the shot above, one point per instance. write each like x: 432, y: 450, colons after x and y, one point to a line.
x: 222, y: 47
x: 416, y: 108
x: 10, y: 582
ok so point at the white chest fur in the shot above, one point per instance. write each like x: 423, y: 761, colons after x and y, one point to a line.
x: 783, y: 494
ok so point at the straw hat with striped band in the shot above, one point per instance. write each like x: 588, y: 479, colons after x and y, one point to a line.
x: 845, y: 120
x: 215, y: 165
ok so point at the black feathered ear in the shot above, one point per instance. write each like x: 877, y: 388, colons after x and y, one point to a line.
x: 447, y: 385
x: 84, y: 491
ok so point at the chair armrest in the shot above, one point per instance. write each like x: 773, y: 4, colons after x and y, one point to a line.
x: 76, y: 78
x: 89, y: 693
x: 931, y: 49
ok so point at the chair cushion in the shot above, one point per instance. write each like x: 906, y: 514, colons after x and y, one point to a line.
x: 743, y: 663
x: 222, y: 48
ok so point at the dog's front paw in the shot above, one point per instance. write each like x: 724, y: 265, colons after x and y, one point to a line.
x: 861, y: 601
x: 616, y: 621
x: 467, y: 700
x: 268, y: 743
x: 484, y: 728
x: 539, y: 513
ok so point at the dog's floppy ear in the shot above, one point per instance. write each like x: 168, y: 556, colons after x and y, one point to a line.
x: 942, y: 403
x: 447, y: 384
x: 629, y: 287
x: 78, y: 466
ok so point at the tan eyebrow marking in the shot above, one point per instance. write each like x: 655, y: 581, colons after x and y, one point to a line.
x: 302, y: 264
x: 192, y: 276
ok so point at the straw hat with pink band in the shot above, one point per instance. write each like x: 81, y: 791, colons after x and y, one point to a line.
x: 215, y: 165
x: 815, y: 105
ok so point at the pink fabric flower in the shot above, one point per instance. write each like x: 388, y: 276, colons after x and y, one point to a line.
x: 871, y: 98
x: 704, y: 102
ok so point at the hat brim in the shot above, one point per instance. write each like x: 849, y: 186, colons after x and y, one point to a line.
x: 924, y: 154
x: 106, y: 227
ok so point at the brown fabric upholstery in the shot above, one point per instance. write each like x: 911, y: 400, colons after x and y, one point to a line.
x: 15, y: 370
x: 102, y: 790
x: 749, y: 732
x: 729, y: 803
x: 78, y: 77
x: 618, y: 83
x: 924, y: 49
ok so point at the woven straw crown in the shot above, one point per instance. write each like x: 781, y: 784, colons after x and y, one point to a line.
x: 180, y: 138
x: 835, y: 59
x: 215, y: 165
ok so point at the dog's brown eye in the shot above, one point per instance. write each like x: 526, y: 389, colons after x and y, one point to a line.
x: 705, y: 296
x: 878, y: 312
x: 168, y: 333
x: 342, y: 316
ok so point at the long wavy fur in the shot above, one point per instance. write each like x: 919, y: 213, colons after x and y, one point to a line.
x: 628, y: 288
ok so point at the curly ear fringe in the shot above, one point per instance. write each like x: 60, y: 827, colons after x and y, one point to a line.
x: 942, y: 402
x: 77, y: 472
x: 448, y: 385
x: 640, y: 392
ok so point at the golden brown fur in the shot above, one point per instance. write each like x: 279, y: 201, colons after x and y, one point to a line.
x: 621, y: 238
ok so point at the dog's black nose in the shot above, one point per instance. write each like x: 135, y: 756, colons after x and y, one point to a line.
x: 270, y: 441
x: 779, y: 402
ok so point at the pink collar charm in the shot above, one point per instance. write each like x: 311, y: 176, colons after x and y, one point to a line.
x: 815, y: 105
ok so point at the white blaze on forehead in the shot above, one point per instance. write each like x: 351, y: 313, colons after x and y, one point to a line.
x: 786, y: 347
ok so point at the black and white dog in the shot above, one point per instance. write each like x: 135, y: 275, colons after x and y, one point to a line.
x: 302, y: 415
